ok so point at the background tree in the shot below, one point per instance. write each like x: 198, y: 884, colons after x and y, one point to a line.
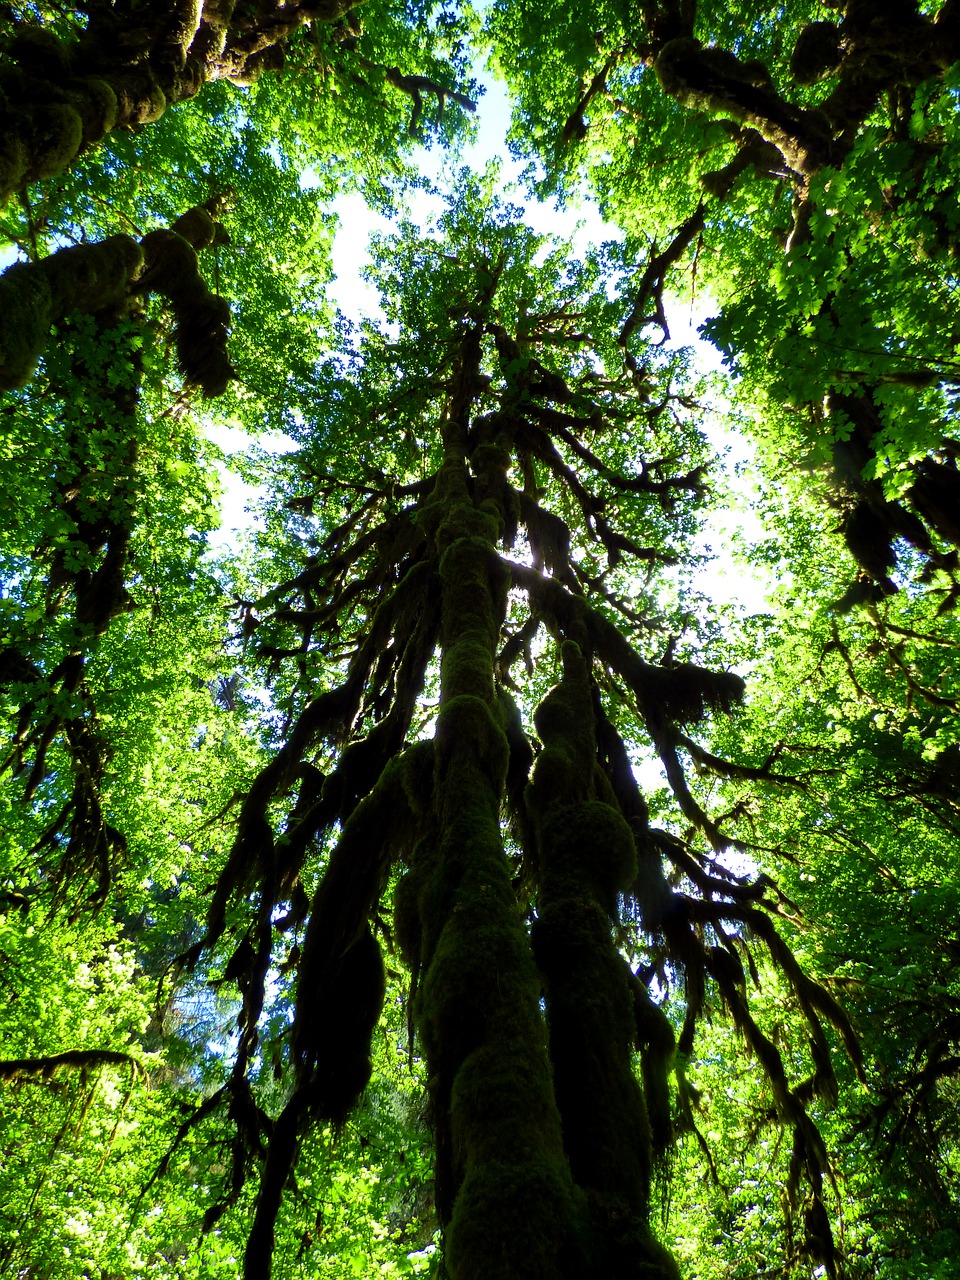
x: 815, y: 215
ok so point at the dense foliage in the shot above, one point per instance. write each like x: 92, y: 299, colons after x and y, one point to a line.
x: 438, y: 878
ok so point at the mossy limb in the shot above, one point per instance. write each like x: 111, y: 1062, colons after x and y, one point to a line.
x: 38, y: 52
x: 26, y: 314
x: 90, y: 277
x: 96, y: 104
x: 466, y: 669
x: 466, y: 522
x: 478, y: 1001
x: 472, y: 719
x: 172, y: 270
x: 592, y: 841
x: 466, y: 985
x: 36, y: 295
x: 592, y: 1036
x: 502, y: 1098
x: 622, y: 1245
x: 196, y: 226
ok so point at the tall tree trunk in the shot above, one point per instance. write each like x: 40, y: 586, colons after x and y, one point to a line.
x: 504, y: 1190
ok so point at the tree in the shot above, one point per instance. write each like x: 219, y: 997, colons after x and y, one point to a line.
x: 479, y: 481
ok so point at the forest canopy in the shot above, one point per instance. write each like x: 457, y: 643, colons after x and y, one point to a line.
x: 441, y: 875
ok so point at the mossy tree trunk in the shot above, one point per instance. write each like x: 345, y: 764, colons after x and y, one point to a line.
x: 587, y: 859
x: 504, y: 1190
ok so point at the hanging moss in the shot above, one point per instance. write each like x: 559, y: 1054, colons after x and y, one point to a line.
x: 343, y: 1014
x: 417, y: 777
x: 519, y: 764
x: 26, y: 308
x: 657, y: 1042
x: 340, y: 986
x: 82, y: 1060
x: 407, y: 927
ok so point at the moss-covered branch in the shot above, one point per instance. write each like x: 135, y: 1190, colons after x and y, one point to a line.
x: 14, y: 1070
x: 60, y: 98
x: 35, y: 296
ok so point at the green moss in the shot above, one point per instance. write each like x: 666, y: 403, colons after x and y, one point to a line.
x: 140, y: 99
x: 13, y: 165
x: 564, y: 719
x: 588, y: 857
x: 39, y: 52
x: 592, y: 1034
x: 26, y: 314
x: 471, y: 719
x: 150, y: 106
x: 592, y: 843
x: 466, y: 668
x: 470, y: 562
x: 502, y: 1099
x: 417, y: 777
x: 478, y: 966
x: 623, y: 1246
x: 171, y: 265
x: 465, y: 523
x: 499, y: 1146
x: 407, y: 926
x: 585, y: 973
x: 196, y: 226
x: 337, y: 1013
x: 96, y: 104
x: 89, y: 277
x: 512, y: 1222
x: 650, y: 888
x: 658, y: 1046
x: 556, y: 776
x: 53, y: 136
